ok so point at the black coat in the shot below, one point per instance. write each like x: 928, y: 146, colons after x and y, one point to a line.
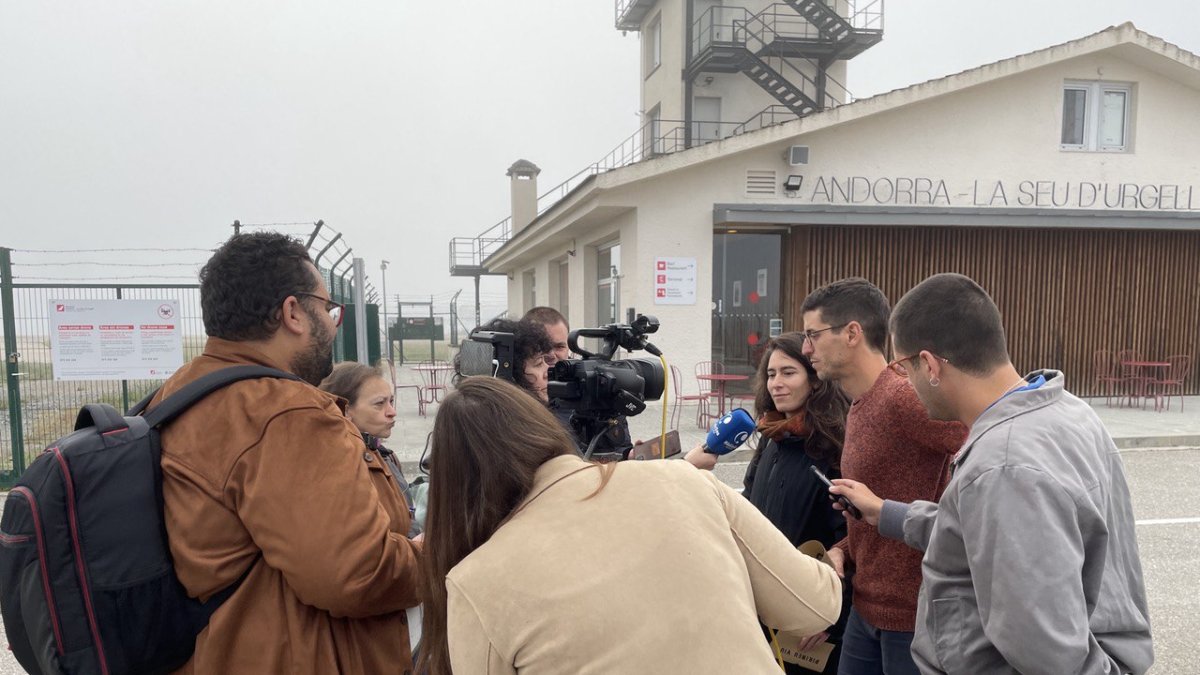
x: 779, y: 483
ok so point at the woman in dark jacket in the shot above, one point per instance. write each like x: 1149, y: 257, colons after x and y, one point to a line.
x: 802, y: 423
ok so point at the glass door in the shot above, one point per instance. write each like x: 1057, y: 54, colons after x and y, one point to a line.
x: 746, y: 299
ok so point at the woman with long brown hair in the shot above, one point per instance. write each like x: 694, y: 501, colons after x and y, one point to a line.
x: 802, y: 422
x: 371, y: 406
x: 542, y: 562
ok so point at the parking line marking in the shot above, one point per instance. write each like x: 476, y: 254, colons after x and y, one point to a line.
x: 1167, y: 521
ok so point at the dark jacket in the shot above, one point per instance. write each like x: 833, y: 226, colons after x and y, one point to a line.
x: 779, y: 483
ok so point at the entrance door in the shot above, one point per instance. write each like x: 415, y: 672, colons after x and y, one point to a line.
x: 608, y: 284
x: 706, y: 116
x: 746, y: 298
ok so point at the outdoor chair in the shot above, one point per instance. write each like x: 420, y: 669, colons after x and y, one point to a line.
x: 1133, y: 381
x: 1107, y: 374
x: 434, y: 378
x: 706, y: 388
x: 700, y: 399
x: 414, y: 387
x: 1172, y: 383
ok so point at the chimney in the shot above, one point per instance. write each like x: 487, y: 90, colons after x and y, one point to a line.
x: 523, y: 174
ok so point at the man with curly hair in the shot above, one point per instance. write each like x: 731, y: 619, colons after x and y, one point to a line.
x: 267, y: 481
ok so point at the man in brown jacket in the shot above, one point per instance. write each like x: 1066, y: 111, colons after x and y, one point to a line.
x: 268, y: 478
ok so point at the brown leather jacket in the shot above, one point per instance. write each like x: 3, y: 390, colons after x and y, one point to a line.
x: 270, y: 474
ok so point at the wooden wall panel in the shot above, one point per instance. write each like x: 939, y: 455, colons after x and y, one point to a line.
x: 1063, y: 293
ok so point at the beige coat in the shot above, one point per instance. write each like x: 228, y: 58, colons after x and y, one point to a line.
x: 270, y: 473
x: 666, y: 570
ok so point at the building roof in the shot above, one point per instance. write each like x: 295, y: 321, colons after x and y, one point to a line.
x: 1132, y: 44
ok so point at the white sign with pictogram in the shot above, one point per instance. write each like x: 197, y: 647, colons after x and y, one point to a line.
x: 115, y: 339
x: 674, y: 281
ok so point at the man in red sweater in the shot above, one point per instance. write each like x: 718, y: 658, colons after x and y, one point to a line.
x: 891, y: 445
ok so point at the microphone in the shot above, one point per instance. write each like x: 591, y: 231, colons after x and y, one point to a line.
x: 729, y: 432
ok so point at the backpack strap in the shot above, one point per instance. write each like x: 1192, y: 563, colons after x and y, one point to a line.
x: 171, y: 407
x: 140, y: 407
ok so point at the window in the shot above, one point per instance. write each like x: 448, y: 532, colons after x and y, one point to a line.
x: 1096, y: 116
x: 652, y: 46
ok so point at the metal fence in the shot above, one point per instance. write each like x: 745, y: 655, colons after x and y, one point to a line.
x: 36, y: 409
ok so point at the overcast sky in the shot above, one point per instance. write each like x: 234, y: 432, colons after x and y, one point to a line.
x: 158, y: 123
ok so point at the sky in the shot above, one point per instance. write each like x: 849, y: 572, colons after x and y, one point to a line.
x: 156, y: 124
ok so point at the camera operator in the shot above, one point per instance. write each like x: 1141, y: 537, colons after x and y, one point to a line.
x: 616, y: 436
x: 532, y: 354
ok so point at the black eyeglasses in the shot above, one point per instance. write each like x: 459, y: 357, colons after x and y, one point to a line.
x: 811, y: 335
x: 336, y: 310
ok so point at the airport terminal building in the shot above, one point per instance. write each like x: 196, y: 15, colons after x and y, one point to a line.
x: 1064, y: 180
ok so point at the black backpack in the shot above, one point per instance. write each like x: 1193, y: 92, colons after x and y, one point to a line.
x: 86, y: 579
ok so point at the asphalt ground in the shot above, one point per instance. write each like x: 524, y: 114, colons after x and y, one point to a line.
x: 1165, y: 483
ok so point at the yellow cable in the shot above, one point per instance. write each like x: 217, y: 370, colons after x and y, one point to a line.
x: 777, y: 650
x: 662, y: 439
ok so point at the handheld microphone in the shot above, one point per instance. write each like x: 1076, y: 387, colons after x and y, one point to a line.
x: 729, y: 432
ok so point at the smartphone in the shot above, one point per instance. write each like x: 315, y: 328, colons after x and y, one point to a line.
x: 850, y: 508
x: 649, y: 449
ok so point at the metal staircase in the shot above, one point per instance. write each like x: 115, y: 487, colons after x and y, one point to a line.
x: 850, y: 36
x: 764, y: 47
x: 775, y: 84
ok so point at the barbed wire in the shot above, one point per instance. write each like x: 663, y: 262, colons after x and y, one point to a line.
x: 298, y: 224
x: 120, y: 278
x: 115, y: 250
x: 104, y: 264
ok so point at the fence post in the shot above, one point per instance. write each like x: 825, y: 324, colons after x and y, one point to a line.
x: 125, y: 383
x: 11, y: 362
x: 432, y: 354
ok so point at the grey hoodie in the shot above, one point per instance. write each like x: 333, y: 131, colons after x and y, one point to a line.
x: 1031, y: 562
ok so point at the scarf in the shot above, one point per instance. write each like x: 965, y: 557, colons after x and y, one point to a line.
x: 776, y: 427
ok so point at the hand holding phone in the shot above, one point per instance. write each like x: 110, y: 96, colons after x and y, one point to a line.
x: 846, y: 504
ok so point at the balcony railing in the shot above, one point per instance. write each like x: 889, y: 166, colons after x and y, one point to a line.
x: 863, y: 14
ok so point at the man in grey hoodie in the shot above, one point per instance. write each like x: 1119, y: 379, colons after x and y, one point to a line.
x: 1031, y: 562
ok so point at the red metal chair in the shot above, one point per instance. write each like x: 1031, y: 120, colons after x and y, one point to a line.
x: 1172, y: 384
x: 415, y: 387
x: 677, y: 390
x: 706, y: 387
x: 1107, y: 374
x: 434, y: 377
x: 1134, y: 383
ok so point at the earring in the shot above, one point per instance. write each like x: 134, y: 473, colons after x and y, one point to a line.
x: 933, y: 382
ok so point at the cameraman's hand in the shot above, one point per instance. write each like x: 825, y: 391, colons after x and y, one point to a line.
x: 701, y: 459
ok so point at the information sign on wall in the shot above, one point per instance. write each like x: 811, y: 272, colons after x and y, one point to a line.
x: 674, y: 281
x: 115, y: 339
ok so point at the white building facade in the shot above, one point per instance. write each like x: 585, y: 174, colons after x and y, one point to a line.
x: 1065, y: 180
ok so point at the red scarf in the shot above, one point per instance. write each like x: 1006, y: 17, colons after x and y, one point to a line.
x: 776, y: 427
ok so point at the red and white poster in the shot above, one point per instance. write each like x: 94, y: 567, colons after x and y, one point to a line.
x: 674, y: 281
x: 115, y: 339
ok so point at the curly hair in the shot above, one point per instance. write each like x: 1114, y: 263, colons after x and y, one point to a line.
x: 529, y: 339
x: 246, y: 280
